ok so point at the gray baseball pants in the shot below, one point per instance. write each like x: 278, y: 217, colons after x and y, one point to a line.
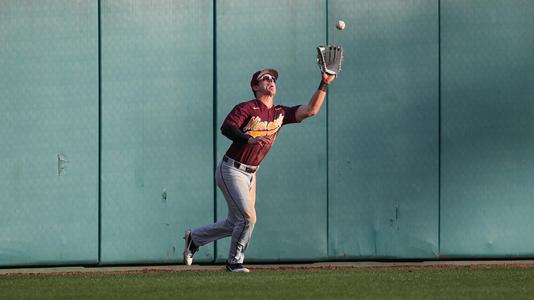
x: 239, y: 189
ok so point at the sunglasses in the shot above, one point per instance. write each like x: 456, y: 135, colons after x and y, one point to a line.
x: 268, y: 78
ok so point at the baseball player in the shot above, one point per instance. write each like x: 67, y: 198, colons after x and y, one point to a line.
x: 253, y: 127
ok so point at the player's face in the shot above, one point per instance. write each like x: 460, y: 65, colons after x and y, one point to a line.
x: 266, y: 85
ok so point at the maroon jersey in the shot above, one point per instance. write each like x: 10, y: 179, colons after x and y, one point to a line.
x: 256, y: 119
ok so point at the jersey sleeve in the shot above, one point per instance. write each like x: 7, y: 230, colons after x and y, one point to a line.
x: 237, y: 116
x: 290, y: 114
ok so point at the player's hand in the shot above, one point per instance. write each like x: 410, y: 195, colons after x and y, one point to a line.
x: 259, y: 140
x: 327, y: 78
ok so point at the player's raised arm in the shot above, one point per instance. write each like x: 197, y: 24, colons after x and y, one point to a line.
x: 316, y: 101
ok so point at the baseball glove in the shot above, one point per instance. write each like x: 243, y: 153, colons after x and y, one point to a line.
x: 329, y: 58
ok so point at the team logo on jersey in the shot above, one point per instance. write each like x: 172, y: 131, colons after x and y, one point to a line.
x: 256, y: 127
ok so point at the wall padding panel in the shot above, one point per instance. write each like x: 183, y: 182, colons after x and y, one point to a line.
x: 157, y: 111
x: 48, y: 132
x: 383, y: 131
x: 487, y: 146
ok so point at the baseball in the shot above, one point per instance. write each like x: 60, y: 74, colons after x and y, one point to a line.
x: 340, y: 25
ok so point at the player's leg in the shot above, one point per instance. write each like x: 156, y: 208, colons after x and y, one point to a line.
x: 238, y: 188
x: 240, y: 192
x: 204, y: 235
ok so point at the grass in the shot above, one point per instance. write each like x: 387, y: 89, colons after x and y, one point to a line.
x: 437, y: 283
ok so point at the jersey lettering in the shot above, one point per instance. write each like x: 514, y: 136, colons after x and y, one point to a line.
x: 256, y: 127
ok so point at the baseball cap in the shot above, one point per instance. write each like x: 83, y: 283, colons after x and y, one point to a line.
x: 260, y: 73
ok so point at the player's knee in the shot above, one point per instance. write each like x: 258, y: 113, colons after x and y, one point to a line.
x: 250, y: 218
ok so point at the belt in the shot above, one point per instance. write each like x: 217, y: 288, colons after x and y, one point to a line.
x: 239, y: 165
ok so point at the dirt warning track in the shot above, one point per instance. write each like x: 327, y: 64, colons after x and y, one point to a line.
x: 327, y: 266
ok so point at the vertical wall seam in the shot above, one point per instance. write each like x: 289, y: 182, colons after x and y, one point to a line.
x: 214, y: 118
x: 99, y: 134
x: 327, y: 153
x: 439, y: 128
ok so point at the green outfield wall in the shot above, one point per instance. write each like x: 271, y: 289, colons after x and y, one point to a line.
x: 110, y: 116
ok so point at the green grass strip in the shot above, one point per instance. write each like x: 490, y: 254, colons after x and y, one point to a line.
x: 438, y: 283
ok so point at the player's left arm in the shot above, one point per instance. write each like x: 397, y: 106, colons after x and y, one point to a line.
x: 314, y: 106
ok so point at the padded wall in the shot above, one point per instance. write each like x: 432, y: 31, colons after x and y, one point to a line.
x: 49, y: 132
x: 291, y: 185
x: 487, y: 146
x: 383, y: 131
x: 157, y: 111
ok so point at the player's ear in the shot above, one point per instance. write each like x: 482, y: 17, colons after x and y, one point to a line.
x: 255, y: 87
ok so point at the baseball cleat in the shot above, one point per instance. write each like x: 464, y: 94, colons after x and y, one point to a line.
x: 189, y: 248
x: 237, y: 268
